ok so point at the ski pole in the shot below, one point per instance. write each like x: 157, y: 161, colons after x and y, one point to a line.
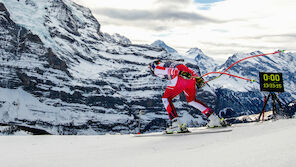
x: 139, y: 123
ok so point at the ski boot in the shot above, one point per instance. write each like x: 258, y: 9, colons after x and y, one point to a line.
x: 215, y: 121
x: 177, y: 127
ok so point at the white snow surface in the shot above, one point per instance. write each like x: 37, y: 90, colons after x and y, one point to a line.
x: 268, y: 144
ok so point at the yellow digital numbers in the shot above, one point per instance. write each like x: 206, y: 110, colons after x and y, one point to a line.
x: 271, y: 82
x: 272, y: 85
x: 271, y: 77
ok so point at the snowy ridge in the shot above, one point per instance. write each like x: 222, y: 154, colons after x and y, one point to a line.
x: 245, y: 96
x: 236, y: 95
x: 163, y: 45
x: 82, y: 81
x: 205, y: 63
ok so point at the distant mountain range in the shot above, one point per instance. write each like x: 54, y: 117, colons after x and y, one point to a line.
x: 61, y: 74
x: 239, y: 96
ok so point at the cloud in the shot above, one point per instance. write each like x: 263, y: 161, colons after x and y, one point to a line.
x: 165, y: 2
x: 229, y: 45
x: 151, y: 27
x: 152, y: 15
x: 268, y: 36
x: 220, y: 28
x: 159, y: 18
x: 207, y: 1
x: 173, y: 3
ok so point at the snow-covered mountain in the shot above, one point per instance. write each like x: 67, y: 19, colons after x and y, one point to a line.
x: 116, y: 38
x: 161, y: 44
x: 205, y: 63
x: 245, y: 97
x: 193, y: 55
x: 60, y: 73
x: 237, y: 96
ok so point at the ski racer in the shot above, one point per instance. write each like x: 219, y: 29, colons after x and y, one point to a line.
x: 181, y: 79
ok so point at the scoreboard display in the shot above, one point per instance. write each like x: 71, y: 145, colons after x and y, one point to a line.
x: 271, y: 82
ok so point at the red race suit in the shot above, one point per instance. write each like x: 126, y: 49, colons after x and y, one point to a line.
x: 177, y: 85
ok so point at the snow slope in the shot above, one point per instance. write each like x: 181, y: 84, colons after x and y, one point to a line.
x: 268, y: 144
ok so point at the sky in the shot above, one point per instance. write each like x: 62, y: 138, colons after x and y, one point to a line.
x: 219, y: 28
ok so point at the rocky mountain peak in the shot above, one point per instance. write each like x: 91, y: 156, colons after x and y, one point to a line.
x: 194, y: 51
x: 205, y: 63
x: 162, y: 44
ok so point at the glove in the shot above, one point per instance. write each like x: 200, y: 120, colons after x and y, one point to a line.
x: 200, y: 82
x: 152, y: 66
x: 185, y: 75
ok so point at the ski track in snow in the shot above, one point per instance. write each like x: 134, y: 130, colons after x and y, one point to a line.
x: 270, y: 144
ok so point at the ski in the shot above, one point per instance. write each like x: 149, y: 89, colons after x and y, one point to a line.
x: 194, y: 131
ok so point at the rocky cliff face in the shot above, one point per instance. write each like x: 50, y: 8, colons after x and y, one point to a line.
x: 64, y: 76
